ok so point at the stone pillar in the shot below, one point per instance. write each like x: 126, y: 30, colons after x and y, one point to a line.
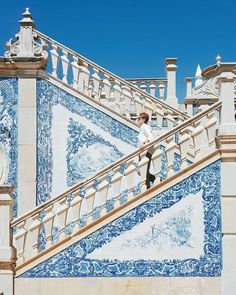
x: 227, y: 125
x: 189, y: 106
x: 171, y: 68
x: 7, y: 251
x: 25, y: 59
x: 188, y: 81
x: 27, y: 139
x: 226, y: 141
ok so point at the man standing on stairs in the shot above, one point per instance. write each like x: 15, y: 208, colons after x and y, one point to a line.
x: 145, y: 136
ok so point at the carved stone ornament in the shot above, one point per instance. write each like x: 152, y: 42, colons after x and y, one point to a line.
x: 208, y: 89
x: 26, y: 44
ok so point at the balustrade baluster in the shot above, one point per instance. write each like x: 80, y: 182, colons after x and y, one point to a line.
x: 171, y: 149
x: 152, y: 88
x: 60, y: 217
x: 20, y: 240
x: 65, y: 65
x: 143, y: 87
x: 55, y: 59
x: 123, y: 188
x: 110, y: 198
x: 130, y: 173
x: 191, y: 155
x: 159, y: 116
x: 137, y: 183
x: 116, y: 187
x: 101, y: 196
x: 161, y: 88
x: 126, y: 101
x: 69, y: 229
x: 184, y: 144
x: 87, y: 206
x: 75, y: 71
x: 170, y: 122
x: 84, y: 78
x: 47, y: 223
x: 138, y: 103
x: 107, y: 86
x: 75, y: 206
x: 200, y: 140
x: 142, y: 164
x: 148, y: 108
x: 156, y: 160
x: 32, y: 238
x: 211, y: 126
x: 117, y: 94
x: 96, y: 84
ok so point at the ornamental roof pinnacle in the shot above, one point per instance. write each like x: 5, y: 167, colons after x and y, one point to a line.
x: 27, y: 19
x: 198, y: 72
x: 198, y: 76
x: 218, y: 59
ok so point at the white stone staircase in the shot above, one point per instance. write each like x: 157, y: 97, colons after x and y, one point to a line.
x: 107, y: 89
x: 50, y: 225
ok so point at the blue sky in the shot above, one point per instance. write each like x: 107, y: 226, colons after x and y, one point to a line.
x: 132, y: 38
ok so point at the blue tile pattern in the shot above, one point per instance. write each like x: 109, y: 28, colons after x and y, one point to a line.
x: 8, y: 129
x: 83, y: 162
x: 49, y: 95
x: 175, y: 230
x: 73, y: 261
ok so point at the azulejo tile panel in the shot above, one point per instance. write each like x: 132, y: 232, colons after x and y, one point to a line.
x: 8, y: 129
x: 51, y: 99
x: 87, y: 152
x: 175, y: 234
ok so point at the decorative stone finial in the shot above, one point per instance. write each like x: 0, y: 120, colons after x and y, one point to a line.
x: 198, y: 76
x: 26, y: 45
x: 218, y: 59
x: 27, y: 19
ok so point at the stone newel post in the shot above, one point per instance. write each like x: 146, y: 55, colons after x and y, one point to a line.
x: 227, y: 124
x: 7, y: 251
x: 25, y: 58
x: 226, y: 141
x: 26, y: 30
x: 171, y: 82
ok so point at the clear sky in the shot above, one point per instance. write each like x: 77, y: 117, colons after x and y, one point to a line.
x: 132, y: 38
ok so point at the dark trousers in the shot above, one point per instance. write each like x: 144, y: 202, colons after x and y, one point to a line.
x: 149, y: 177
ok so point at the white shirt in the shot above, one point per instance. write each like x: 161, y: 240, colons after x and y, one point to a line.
x: 145, y: 134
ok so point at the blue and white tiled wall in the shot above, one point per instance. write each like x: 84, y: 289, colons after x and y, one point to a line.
x: 75, y: 140
x: 8, y: 129
x: 175, y: 234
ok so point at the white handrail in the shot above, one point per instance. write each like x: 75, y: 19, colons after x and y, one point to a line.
x: 110, y: 87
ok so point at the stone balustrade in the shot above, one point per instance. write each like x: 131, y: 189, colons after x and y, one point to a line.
x: 115, y: 185
x: 123, y: 96
x: 155, y: 86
